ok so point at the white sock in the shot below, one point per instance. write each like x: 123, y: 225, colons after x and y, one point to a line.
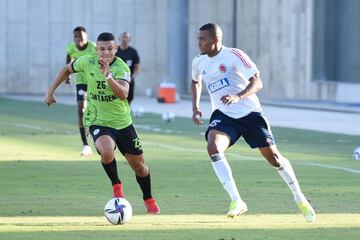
x: 224, y: 174
x: 287, y: 173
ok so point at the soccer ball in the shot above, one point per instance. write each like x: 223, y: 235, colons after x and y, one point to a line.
x: 168, y: 116
x: 118, y: 211
x: 138, y: 112
x: 356, y: 154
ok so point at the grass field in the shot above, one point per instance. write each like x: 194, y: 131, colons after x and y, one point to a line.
x: 47, y: 191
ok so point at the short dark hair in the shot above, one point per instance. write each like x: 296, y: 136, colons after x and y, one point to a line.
x: 212, y: 28
x: 79, y: 29
x: 106, y: 36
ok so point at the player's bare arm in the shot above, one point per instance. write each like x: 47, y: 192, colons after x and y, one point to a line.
x: 60, y: 77
x: 120, y: 87
x: 196, y: 93
x: 253, y: 87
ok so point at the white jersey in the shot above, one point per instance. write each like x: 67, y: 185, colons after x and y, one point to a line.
x: 227, y: 73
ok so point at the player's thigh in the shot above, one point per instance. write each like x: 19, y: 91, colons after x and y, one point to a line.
x: 218, y: 141
x: 103, y: 138
x: 221, y: 133
x: 105, y: 144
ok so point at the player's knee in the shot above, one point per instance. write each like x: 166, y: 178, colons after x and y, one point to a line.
x: 212, y: 148
x: 141, y: 170
x: 107, y: 154
x: 274, y: 163
x: 274, y: 160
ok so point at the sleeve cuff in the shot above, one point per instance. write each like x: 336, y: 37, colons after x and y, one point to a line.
x: 72, y: 66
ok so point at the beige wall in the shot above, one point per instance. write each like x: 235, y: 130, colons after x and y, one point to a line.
x: 278, y: 37
x: 202, y: 12
x: 276, y: 34
x: 35, y: 34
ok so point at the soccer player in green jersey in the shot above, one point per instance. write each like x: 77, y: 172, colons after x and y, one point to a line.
x: 80, y: 47
x: 108, y: 114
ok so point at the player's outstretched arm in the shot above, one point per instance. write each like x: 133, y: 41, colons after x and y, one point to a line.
x: 196, y: 93
x: 60, y: 77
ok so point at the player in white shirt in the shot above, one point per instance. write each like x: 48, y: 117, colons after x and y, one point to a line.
x: 232, y: 80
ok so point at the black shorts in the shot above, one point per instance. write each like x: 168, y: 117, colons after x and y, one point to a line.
x: 253, y: 127
x: 81, y: 90
x: 126, y: 139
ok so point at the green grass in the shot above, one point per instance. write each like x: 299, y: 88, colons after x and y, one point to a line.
x: 47, y: 191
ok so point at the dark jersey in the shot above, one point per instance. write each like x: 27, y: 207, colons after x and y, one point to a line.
x: 129, y: 56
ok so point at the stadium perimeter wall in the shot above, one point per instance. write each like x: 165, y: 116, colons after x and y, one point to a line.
x: 277, y: 35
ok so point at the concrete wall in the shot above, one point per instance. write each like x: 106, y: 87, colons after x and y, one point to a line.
x: 35, y: 34
x: 276, y: 34
x: 202, y: 12
x: 279, y: 36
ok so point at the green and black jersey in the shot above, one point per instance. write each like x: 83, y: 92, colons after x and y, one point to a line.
x: 75, y: 53
x: 104, y: 107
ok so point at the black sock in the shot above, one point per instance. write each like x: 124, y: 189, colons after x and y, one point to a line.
x: 111, y: 171
x: 145, y: 185
x: 83, y: 136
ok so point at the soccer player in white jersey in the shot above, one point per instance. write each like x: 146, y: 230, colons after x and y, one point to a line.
x: 232, y: 80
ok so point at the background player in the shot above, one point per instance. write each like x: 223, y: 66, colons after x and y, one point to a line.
x: 108, y: 114
x: 232, y: 80
x: 131, y: 57
x: 80, y: 47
